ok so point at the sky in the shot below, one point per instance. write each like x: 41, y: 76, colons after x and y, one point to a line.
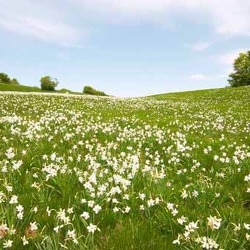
x: 125, y: 48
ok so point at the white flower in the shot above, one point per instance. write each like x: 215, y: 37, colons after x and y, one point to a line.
x: 213, y: 222
x: 115, y: 209
x: 182, y: 220
x: 174, y: 212
x: 62, y: 216
x: 237, y: 227
x: 195, y: 193
x: 9, y: 188
x: 151, y: 203
x: 70, y: 210
x: 48, y: 211
x: 184, y: 194
x: 142, y: 196
x: 208, y: 243
x: 170, y: 206
x: 14, y: 199
x: 216, y: 157
x: 71, y: 234
x: 56, y: 229
x: 20, y: 215
x: 97, y: 209
x: 24, y: 240
x: 127, y: 209
x: 7, y: 244
x: 92, y: 228
x: 85, y: 215
x: 192, y: 226
x: 217, y: 195
x: 142, y: 208
x: 176, y: 242
x: 17, y: 165
x: 19, y: 208
x: 35, y: 210
x: 247, y: 237
x: 33, y: 226
x: 247, y: 226
x: 91, y: 203
x: 126, y: 197
x: 10, y: 153
x: 247, y: 178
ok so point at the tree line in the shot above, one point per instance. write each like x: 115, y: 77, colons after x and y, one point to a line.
x: 5, y: 79
x: 49, y: 84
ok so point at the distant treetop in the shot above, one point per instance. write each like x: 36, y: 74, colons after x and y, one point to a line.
x: 5, y: 79
x: 48, y: 83
x: 91, y: 91
x: 241, y: 74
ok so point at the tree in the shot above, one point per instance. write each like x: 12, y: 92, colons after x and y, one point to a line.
x: 241, y: 74
x: 14, y: 81
x: 91, y: 91
x: 4, y: 78
x: 48, y: 83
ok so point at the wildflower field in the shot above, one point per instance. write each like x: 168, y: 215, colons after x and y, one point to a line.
x: 162, y: 172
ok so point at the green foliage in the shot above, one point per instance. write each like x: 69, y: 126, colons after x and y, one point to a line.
x: 14, y: 81
x: 65, y: 91
x: 241, y: 74
x: 91, y: 91
x: 18, y: 88
x: 48, y: 83
x: 4, y: 78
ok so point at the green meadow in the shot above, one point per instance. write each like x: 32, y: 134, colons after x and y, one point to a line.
x: 169, y: 171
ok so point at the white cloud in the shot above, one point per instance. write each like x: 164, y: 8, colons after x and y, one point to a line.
x: 200, y: 46
x: 226, y: 16
x: 41, y: 21
x: 202, y: 77
x: 50, y: 20
x: 229, y: 57
x: 197, y: 77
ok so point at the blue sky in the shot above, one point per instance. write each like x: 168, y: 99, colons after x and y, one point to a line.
x: 124, y: 48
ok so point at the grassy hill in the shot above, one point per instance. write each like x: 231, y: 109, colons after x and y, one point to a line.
x: 19, y: 88
x: 210, y: 94
x: 23, y: 88
x: 162, y: 172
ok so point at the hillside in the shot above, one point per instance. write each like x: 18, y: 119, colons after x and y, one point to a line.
x: 18, y: 88
x: 23, y: 88
x: 209, y: 94
x: 161, y: 172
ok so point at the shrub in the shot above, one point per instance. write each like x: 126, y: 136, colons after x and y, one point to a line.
x: 48, y: 83
x: 4, y: 78
x: 91, y: 91
x: 14, y: 81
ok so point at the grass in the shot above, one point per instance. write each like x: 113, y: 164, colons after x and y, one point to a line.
x: 19, y: 88
x: 162, y: 172
x: 23, y: 88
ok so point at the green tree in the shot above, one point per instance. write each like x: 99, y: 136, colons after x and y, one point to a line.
x: 91, y: 91
x: 48, y: 83
x: 14, y: 81
x: 241, y: 74
x: 4, y: 78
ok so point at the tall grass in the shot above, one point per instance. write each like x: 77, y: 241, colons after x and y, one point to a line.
x: 162, y: 172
